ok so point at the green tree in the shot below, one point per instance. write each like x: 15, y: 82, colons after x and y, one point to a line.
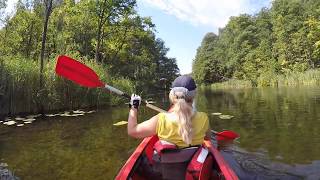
x: 206, y: 68
x: 110, y: 12
x: 111, y: 32
x: 278, y: 40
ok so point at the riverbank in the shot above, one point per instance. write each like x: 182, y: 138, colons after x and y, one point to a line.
x: 20, y: 88
x: 307, y: 78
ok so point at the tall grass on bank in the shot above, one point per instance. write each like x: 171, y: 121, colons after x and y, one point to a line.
x: 307, y: 78
x: 232, y: 83
x: 20, y: 93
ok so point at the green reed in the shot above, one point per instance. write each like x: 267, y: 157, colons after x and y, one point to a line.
x: 20, y: 92
x: 307, y: 78
x: 232, y: 83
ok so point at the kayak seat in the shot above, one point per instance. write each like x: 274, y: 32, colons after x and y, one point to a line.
x: 173, y: 164
x: 145, y: 171
x: 170, y: 161
x: 142, y: 165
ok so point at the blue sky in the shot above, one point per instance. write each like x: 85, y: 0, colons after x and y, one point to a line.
x: 183, y: 23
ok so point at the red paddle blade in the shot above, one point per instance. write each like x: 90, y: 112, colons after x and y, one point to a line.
x: 227, y: 135
x: 77, y: 72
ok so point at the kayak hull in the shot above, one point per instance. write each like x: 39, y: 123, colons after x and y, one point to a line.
x: 219, y: 164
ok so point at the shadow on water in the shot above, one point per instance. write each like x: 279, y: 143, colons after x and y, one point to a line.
x: 254, y: 166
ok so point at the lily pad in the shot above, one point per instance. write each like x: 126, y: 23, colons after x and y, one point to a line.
x: 66, y: 113
x: 216, y: 114
x: 91, y: 111
x: 9, y: 123
x: 225, y: 116
x: 78, y: 112
x: 7, y: 119
x: 19, y: 125
x: 33, y: 116
x: 29, y: 119
x: 27, y: 122
x: 120, y: 123
x: 30, y: 116
x: 75, y: 115
x: 51, y: 115
x: 19, y: 118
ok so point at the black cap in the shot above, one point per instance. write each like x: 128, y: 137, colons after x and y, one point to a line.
x: 184, y: 81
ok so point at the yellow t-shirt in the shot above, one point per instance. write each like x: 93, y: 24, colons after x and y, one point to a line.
x: 168, y: 129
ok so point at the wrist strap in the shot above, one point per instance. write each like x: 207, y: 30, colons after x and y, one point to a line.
x: 130, y: 107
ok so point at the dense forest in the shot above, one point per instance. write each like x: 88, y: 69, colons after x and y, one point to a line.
x: 277, y: 46
x: 107, y: 35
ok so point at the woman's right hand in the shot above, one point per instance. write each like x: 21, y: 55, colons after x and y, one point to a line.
x: 135, y: 101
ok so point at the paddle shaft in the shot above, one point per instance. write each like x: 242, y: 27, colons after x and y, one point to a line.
x: 153, y: 107
x: 119, y: 92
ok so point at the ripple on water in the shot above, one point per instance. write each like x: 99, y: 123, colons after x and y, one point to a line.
x: 257, y: 166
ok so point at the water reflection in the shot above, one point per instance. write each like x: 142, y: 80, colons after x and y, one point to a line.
x: 254, y: 166
x: 86, y: 147
x: 278, y: 129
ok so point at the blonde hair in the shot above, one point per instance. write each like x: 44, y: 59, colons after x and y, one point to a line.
x: 182, y: 100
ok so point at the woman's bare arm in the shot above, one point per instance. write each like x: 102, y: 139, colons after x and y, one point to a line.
x: 142, y: 130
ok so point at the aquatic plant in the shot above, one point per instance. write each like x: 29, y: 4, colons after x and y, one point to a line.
x: 20, y: 92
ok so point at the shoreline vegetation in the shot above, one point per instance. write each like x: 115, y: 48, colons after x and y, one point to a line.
x: 277, y: 46
x: 292, y: 79
x: 108, y: 36
x: 20, y: 91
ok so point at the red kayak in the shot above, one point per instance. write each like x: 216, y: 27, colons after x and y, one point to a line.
x: 217, y: 169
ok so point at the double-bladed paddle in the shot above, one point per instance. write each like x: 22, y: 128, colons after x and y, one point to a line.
x: 85, y: 76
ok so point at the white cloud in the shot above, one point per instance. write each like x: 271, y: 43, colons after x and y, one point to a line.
x: 10, y: 6
x: 213, y: 13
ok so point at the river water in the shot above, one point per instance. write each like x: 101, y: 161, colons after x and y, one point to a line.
x: 279, y: 129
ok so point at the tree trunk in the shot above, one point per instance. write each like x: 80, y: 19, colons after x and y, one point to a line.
x: 43, y: 45
x: 97, y: 55
x: 102, y: 19
x: 99, y: 30
x: 29, y: 45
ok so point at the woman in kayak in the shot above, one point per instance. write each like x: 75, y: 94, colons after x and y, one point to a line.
x: 180, y: 131
x: 181, y: 126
